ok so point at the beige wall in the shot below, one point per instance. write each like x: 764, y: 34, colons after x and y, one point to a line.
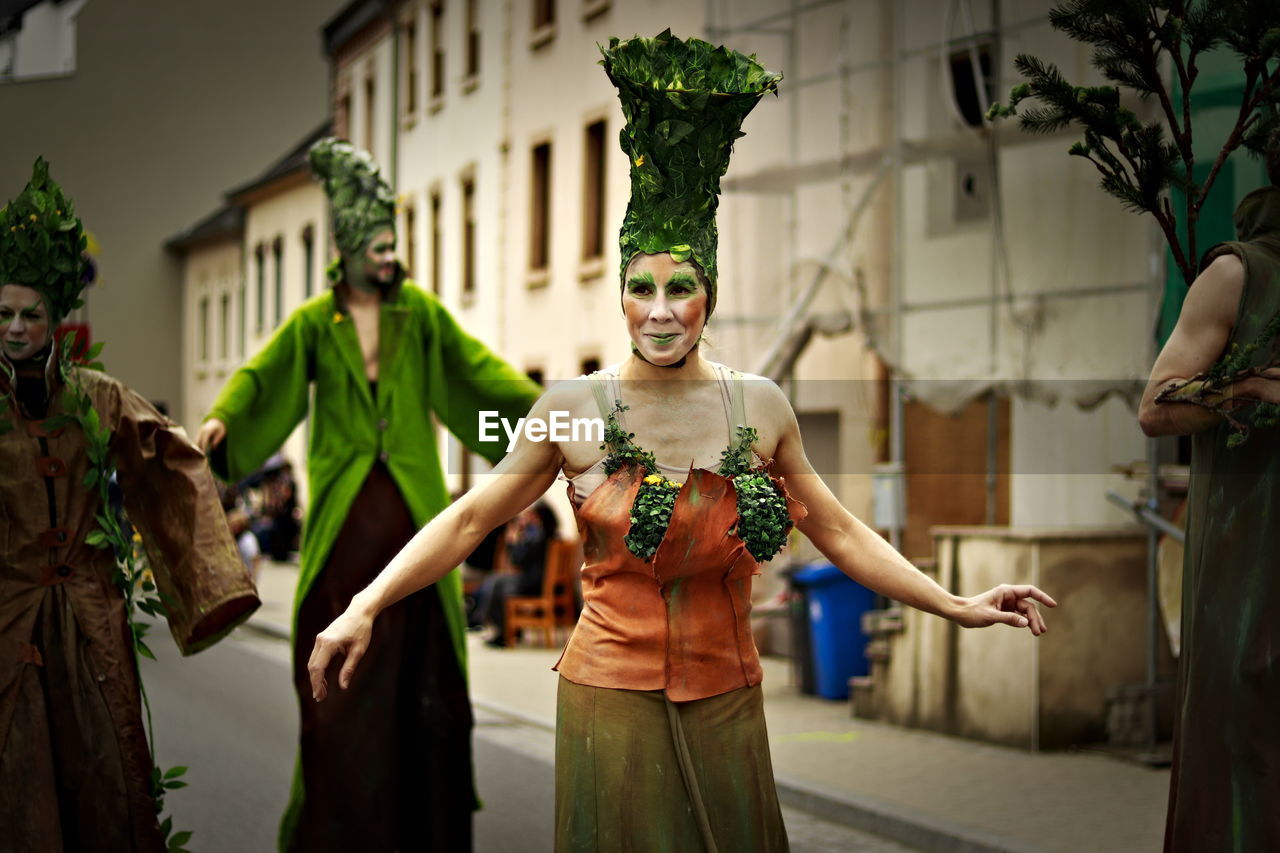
x: 230, y: 268
x: 285, y: 215
x: 555, y: 90
x: 444, y: 140
x: 1062, y: 236
x: 210, y: 273
x: 170, y: 104
x: 369, y: 124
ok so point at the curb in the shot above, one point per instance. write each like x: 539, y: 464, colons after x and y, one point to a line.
x: 891, y: 822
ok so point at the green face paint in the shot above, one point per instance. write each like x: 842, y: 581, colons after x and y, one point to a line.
x: 24, y: 322
x: 376, y: 268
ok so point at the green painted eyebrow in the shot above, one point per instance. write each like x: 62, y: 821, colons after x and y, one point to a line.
x: 683, y: 278
x: 640, y: 278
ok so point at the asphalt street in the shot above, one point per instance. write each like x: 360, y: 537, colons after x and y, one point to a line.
x: 229, y: 714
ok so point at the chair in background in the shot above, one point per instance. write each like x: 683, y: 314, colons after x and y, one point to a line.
x: 555, y: 607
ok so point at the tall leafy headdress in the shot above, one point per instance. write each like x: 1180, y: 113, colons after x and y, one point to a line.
x: 362, y: 202
x: 684, y: 101
x: 42, y: 244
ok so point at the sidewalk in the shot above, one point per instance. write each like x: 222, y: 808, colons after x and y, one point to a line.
x: 929, y: 791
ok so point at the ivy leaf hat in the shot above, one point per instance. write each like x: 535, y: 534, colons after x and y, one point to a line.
x: 362, y: 202
x: 43, y: 244
x: 684, y: 101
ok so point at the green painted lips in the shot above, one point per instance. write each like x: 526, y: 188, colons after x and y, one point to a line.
x: 663, y: 340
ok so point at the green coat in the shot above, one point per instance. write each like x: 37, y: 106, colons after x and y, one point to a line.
x: 427, y: 365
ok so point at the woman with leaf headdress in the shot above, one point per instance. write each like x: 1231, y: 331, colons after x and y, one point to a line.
x: 76, y: 771
x: 661, y: 741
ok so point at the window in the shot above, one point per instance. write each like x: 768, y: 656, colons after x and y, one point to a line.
x: 38, y: 39
x: 242, y: 324
x: 308, y: 262
x: 535, y: 373
x: 593, y: 8
x: 342, y: 121
x: 437, y: 49
x: 410, y: 237
x: 277, y: 262
x: 544, y: 23
x: 224, y: 326
x: 544, y: 13
x: 593, y: 192
x: 473, y: 38
x: 409, y: 56
x: 370, y: 93
x: 590, y: 364
x: 468, y: 236
x: 540, y: 207
x: 965, y: 94
x: 260, y: 277
x: 435, y: 243
x: 202, y: 330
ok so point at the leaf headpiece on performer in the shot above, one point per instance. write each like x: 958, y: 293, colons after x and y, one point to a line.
x: 684, y: 101
x: 42, y: 244
x: 362, y: 202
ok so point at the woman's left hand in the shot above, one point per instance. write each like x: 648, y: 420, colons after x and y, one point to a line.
x: 1007, y: 604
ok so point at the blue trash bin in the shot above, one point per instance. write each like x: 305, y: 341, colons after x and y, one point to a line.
x: 836, y: 605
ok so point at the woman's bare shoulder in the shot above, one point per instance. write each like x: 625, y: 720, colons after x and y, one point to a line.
x: 573, y: 395
x: 763, y: 396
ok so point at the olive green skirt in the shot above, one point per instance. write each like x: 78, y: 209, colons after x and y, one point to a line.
x: 637, y: 773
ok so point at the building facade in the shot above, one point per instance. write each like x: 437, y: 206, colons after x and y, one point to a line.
x: 244, y: 270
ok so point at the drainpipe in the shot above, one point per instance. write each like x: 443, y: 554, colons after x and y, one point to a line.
x: 896, y: 410
x: 394, y: 164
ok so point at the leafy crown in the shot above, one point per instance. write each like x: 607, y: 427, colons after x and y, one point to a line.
x: 361, y: 201
x: 42, y: 243
x: 684, y: 101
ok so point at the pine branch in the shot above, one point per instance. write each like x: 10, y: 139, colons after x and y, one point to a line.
x: 1169, y: 225
x: 1245, y: 117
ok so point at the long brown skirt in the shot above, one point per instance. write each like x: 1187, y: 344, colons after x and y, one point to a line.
x: 386, y: 764
x: 637, y: 773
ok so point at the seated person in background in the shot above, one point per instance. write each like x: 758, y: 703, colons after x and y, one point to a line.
x: 239, y: 521
x: 527, y: 536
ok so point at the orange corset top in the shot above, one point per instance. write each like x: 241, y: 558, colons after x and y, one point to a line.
x: 679, y: 622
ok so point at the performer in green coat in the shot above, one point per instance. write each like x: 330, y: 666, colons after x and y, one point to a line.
x: 388, y: 766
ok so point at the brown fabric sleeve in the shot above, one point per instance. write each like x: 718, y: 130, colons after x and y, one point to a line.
x: 171, y: 498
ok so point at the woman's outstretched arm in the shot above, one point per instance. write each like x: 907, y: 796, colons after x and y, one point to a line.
x: 865, y: 556
x: 439, y: 547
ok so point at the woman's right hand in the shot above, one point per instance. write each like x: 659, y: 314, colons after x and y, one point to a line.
x: 346, y: 637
